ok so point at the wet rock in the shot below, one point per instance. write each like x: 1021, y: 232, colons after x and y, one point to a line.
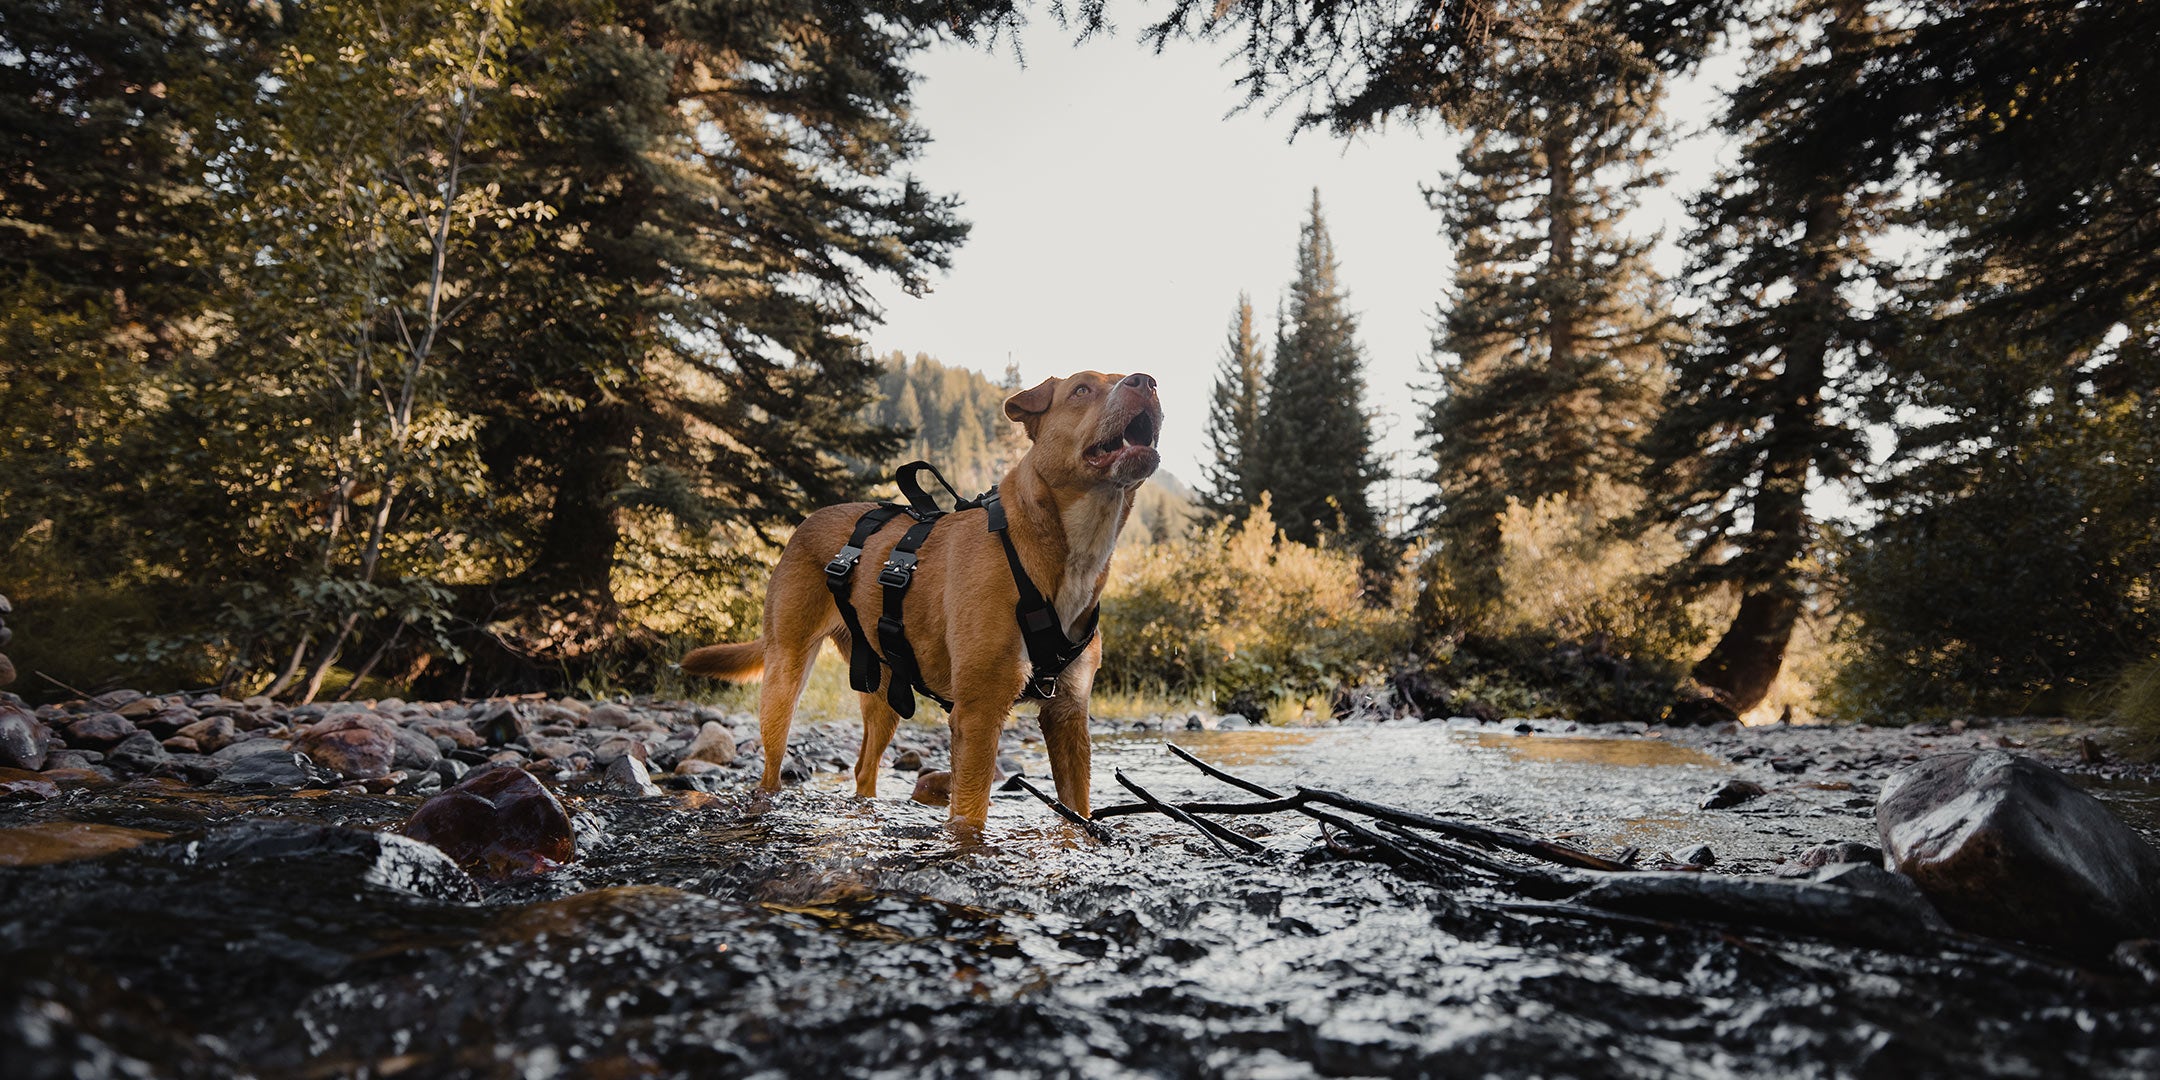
x: 140, y: 752
x: 2008, y: 847
x: 414, y: 750
x: 555, y: 749
x: 1732, y: 793
x: 140, y: 709
x: 65, y: 841
x: 98, y: 731
x: 213, y: 734
x: 382, y: 859
x: 357, y: 745
x: 608, y: 716
x: 500, y: 724
x: 457, y: 733
x: 451, y: 770
x: 234, y: 751
x: 28, y: 789
x: 112, y: 701
x: 933, y: 789
x: 1699, y: 855
x: 166, y: 722
x: 196, y: 769
x: 616, y: 747
x: 715, y: 742
x: 74, y: 759
x: 280, y: 770
x: 1822, y: 855
x: 7, y: 671
x: 499, y: 824
x: 1851, y: 901
x: 24, y: 740
x: 181, y: 744
x: 2141, y: 958
x: 908, y: 761
x: 627, y: 777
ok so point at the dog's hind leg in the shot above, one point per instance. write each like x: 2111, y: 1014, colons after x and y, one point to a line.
x: 878, y: 722
x: 787, y: 669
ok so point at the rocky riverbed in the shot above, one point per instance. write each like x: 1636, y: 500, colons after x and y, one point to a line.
x: 196, y: 886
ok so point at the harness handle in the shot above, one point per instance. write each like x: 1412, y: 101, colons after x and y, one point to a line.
x: 922, y: 504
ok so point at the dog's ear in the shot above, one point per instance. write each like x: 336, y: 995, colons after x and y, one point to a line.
x: 1027, y: 407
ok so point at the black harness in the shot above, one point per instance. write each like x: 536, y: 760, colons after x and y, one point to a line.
x: 1049, y: 650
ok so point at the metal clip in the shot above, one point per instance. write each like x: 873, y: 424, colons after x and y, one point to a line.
x: 899, y: 570
x: 843, y: 564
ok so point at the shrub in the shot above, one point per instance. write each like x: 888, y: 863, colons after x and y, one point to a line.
x: 1237, y: 615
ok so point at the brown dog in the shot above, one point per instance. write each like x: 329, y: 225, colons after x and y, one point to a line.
x: 1093, y: 443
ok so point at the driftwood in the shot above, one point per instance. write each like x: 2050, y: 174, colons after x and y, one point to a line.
x: 1394, y: 834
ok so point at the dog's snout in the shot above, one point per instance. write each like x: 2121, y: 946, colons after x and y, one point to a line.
x: 1140, y: 380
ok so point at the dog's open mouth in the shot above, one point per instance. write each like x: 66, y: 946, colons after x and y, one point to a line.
x: 1139, y: 433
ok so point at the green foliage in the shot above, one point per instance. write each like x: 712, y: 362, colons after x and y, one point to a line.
x: 1550, y: 347
x: 956, y: 420
x: 1236, y: 614
x: 1319, y: 464
x: 1236, y: 409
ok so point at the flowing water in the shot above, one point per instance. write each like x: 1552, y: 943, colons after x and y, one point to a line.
x: 712, y: 935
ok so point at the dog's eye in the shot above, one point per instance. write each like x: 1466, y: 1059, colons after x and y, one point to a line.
x: 1083, y: 390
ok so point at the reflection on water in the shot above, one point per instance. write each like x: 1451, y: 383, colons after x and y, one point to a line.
x: 1592, y: 751
x: 1230, y: 749
x: 59, y: 841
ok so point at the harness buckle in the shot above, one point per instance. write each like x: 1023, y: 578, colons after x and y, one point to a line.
x: 898, y: 571
x: 843, y: 564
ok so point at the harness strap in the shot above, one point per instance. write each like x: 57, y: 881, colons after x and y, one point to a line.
x: 862, y: 663
x: 1049, y: 650
x: 898, y: 573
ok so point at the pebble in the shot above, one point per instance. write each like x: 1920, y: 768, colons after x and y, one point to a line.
x: 212, y: 734
x: 1732, y: 793
x: 1699, y: 855
x: 627, y: 777
x: 140, y: 752
x: 99, y: 731
x: 715, y: 742
x: 908, y: 761
x: 282, y: 770
x: 25, y: 742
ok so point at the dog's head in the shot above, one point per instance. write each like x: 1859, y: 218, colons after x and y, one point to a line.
x: 1091, y: 429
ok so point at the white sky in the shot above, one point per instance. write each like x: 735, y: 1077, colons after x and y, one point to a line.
x: 1119, y: 206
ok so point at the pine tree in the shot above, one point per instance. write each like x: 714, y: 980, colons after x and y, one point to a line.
x: 1234, y: 414
x: 1317, y: 462
x: 1782, y: 240
x: 1550, y: 345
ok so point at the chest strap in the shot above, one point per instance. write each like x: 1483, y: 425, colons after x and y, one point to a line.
x: 1049, y: 650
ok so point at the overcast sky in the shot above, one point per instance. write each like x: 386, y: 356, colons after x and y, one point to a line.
x: 1119, y: 206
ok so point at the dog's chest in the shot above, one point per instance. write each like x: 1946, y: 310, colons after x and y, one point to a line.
x: 1091, y: 531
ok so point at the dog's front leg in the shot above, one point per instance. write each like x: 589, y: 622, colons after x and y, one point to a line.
x: 975, y: 729
x: 1064, y: 720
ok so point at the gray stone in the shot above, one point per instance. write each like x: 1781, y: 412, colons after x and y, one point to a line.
x: 2008, y: 847
x: 451, y: 770
x: 197, y: 769
x: 111, y: 701
x: 284, y: 770
x: 908, y: 761
x: 1732, y: 793
x: 24, y: 740
x: 140, y: 752
x: 715, y: 742
x: 1822, y: 855
x: 414, y: 750
x: 99, y: 731
x: 608, y: 716
x: 234, y: 751
x: 555, y: 749
x: 380, y: 859
x: 627, y: 777
x: 1699, y: 855
x: 619, y: 746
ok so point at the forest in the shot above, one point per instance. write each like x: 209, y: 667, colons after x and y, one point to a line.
x: 454, y: 350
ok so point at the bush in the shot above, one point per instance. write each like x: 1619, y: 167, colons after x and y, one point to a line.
x: 1236, y: 615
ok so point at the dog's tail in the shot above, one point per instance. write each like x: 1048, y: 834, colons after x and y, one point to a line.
x: 735, y: 663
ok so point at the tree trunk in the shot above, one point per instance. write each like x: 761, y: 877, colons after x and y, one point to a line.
x: 1747, y: 659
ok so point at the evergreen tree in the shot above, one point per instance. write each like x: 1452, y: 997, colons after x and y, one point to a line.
x: 1781, y: 249
x: 1550, y: 345
x: 1234, y: 414
x: 1318, y: 464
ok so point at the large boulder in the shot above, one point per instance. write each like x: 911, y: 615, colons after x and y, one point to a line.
x: 498, y: 823
x: 357, y: 745
x: 2007, y: 847
x: 381, y: 859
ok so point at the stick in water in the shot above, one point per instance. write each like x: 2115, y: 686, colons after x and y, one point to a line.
x: 1093, y: 829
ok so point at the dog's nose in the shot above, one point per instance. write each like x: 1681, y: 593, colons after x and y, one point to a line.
x: 1140, y: 380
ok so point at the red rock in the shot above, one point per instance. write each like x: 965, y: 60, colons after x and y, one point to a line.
x: 181, y: 744
x: 28, y: 790
x: 356, y: 745
x: 455, y: 731
x: 498, y: 823
x: 213, y: 734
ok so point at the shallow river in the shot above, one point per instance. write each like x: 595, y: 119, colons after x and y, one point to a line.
x: 829, y: 936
